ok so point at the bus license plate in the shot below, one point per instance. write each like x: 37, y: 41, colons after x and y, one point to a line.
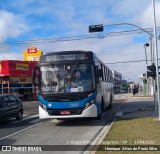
x: 65, y: 112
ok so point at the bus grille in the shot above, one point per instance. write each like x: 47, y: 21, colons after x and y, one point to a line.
x: 72, y: 111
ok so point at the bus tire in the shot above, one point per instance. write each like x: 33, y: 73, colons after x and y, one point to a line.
x: 110, y: 104
x: 99, y: 117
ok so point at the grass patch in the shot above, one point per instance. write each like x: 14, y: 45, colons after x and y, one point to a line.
x: 139, y: 131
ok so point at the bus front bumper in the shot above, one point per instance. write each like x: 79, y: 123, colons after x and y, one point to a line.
x: 89, y: 112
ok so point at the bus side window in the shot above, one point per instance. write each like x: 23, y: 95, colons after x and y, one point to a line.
x: 105, y: 74
x: 100, y: 72
x: 97, y: 74
x: 107, y: 71
x: 109, y: 77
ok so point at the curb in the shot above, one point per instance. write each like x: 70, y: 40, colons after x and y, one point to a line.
x: 102, y: 134
x: 141, y: 97
x: 146, y: 109
x: 99, y: 139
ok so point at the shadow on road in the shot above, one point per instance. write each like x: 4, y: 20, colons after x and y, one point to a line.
x: 8, y: 141
x: 11, y: 123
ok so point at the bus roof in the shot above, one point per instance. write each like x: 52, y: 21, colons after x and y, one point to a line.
x: 77, y: 52
x: 65, y: 52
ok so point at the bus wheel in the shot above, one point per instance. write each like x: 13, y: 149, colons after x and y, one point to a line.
x: 110, y: 104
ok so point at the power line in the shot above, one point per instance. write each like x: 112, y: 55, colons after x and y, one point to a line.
x: 136, y: 61
x: 72, y: 38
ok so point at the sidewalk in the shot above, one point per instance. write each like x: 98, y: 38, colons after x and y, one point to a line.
x: 141, y: 95
x: 30, y: 107
x: 136, y: 125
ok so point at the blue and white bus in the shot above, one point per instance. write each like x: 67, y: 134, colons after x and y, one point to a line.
x: 73, y: 84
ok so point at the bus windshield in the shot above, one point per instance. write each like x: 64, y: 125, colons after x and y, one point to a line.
x: 67, y: 78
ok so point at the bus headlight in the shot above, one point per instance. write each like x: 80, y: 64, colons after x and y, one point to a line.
x: 89, y: 104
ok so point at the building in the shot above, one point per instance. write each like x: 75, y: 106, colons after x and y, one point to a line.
x: 16, y: 78
x: 125, y: 86
x: 117, y: 81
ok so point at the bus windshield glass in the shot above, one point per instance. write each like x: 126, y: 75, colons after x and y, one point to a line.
x: 67, y: 78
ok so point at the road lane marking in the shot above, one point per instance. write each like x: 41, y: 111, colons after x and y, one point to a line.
x: 36, y: 115
x: 34, y: 121
x: 20, y: 131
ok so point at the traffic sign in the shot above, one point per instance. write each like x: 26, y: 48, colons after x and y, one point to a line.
x: 96, y: 28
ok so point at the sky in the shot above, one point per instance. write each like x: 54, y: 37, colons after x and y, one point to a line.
x: 60, y: 25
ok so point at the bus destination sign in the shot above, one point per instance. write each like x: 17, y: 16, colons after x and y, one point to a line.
x: 63, y: 57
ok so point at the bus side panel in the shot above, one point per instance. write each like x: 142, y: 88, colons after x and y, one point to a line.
x: 99, y: 107
x: 104, y: 95
x: 99, y: 99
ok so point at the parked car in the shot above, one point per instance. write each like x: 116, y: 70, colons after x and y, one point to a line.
x: 10, y: 107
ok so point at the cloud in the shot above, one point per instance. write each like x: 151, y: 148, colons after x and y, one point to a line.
x: 11, y: 56
x: 11, y: 25
x: 138, y: 12
x: 54, y: 19
x: 145, y: 18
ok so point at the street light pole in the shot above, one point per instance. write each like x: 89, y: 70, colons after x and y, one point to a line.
x: 133, y: 25
x: 156, y: 54
x: 153, y: 82
x: 146, y: 45
x: 151, y: 55
x: 146, y: 88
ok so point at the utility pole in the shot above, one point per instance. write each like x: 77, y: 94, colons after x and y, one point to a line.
x: 152, y: 81
x: 152, y: 60
x: 156, y: 54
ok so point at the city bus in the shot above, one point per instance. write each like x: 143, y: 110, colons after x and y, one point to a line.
x: 72, y: 84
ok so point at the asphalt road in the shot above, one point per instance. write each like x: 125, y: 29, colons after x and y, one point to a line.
x: 33, y: 131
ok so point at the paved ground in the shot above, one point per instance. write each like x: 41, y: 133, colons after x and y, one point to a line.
x: 137, y: 105
x: 30, y: 107
x: 34, y: 131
